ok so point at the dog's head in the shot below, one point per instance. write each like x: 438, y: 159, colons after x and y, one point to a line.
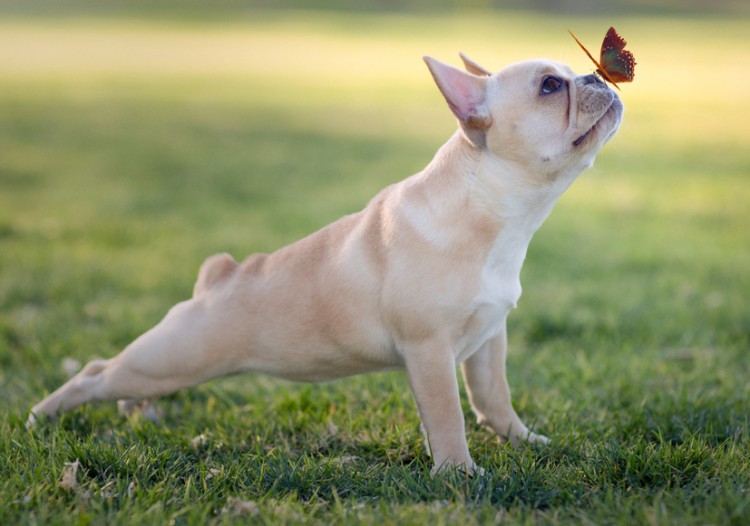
x: 536, y: 114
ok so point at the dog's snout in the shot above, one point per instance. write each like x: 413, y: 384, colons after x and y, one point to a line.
x: 591, y: 83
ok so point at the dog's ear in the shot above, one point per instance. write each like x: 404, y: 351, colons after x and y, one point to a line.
x: 465, y: 95
x: 474, y: 68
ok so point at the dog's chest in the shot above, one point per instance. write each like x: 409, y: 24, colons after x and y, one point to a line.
x: 499, y: 291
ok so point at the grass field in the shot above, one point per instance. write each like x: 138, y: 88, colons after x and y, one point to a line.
x: 132, y: 149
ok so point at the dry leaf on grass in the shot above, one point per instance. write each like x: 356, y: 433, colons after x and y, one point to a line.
x: 199, y: 442
x: 212, y: 472
x: 69, y: 479
x: 242, y: 507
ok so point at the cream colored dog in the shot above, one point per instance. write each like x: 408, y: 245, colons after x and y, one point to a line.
x: 422, y: 279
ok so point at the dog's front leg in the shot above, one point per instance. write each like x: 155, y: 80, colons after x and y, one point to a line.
x: 489, y: 393
x: 431, y: 368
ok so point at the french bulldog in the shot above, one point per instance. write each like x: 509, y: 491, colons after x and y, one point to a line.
x: 421, y: 279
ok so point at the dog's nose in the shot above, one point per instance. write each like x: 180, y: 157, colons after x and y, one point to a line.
x: 591, y: 79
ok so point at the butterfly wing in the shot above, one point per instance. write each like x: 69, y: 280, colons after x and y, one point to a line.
x: 613, y: 42
x: 617, y: 62
x: 600, y: 69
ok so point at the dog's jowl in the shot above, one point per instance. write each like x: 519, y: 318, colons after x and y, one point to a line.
x: 422, y: 279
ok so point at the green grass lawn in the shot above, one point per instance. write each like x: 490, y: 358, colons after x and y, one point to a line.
x: 131, y: 149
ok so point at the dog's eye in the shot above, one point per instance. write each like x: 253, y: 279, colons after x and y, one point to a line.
x: 551, y: 85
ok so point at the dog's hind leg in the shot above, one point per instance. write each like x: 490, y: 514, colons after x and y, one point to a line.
x: 173, y: 355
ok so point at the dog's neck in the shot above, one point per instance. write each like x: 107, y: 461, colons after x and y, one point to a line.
x: 479, y: 188
x: 505, y: 191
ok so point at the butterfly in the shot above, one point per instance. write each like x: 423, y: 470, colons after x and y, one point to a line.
x: 616, y: 64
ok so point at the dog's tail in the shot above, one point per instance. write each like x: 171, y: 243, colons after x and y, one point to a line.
x: 215, y: 269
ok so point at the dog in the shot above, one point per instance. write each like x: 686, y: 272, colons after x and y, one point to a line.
x: 421, y: 279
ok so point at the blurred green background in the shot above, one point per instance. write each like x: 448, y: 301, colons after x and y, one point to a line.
x: 137, y: 138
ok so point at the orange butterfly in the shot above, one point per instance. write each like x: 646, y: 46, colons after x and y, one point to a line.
x: 616, y: 64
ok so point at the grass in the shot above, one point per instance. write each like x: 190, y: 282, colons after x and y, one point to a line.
x: 132, y: 149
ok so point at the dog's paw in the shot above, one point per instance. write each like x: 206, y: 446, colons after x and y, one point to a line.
x: 36, y: 418
x: 40, y: 413
x: 478, y: 471
x: 462, y: 470
x: 526, y: 437
x: 534, y: 438
x: 469, y: 468
x: 32, y: 421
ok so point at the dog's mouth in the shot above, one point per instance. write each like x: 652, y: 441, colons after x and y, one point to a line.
x: 583, y: 137
x: 608, y: 114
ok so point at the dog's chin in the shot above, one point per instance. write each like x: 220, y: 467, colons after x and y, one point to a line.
x: 604, y: 128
